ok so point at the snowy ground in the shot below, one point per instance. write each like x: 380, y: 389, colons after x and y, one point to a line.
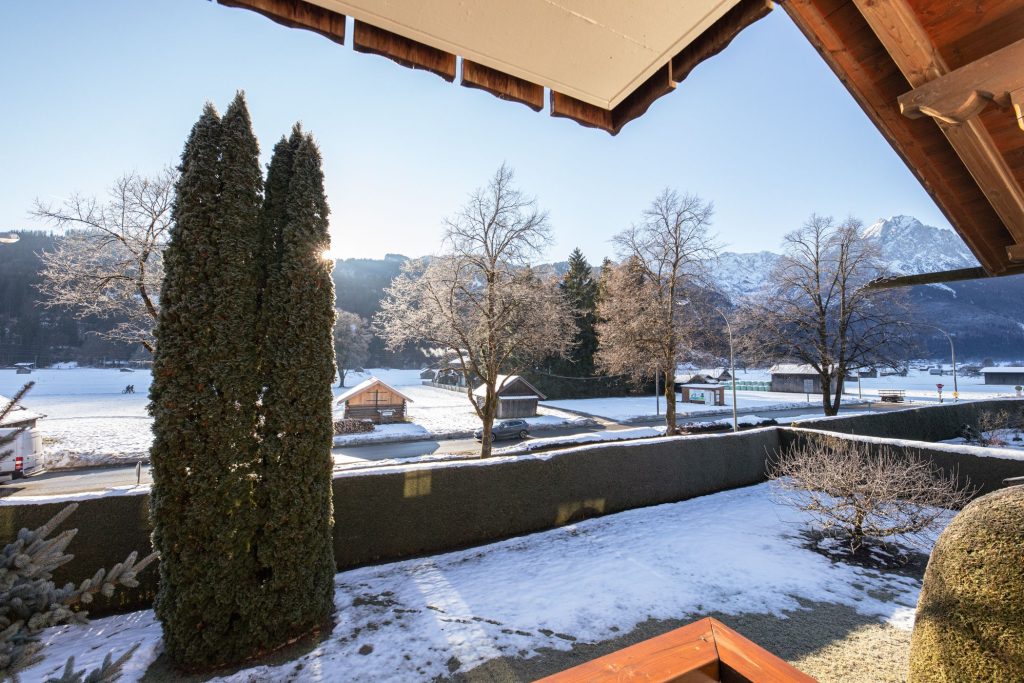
x: 90, y: 422
x: 641, y: 408
x: 919, y: 387
x: 733, y: 552
x: 1000, y: 438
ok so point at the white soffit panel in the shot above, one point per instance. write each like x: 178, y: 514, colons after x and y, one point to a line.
x: 597, y: 51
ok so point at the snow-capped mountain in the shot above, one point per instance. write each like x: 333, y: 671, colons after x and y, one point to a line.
x: 908, y: 247
x: 987, y: 315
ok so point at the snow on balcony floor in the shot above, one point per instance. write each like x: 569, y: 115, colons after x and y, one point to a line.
x: 735, y: 552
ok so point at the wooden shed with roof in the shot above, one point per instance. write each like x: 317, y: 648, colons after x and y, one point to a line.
x: 797, y: 379
x: 374, y: 400
x: 516, y: 397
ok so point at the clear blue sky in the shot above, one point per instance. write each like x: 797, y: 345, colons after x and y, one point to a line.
x: 92, y: 88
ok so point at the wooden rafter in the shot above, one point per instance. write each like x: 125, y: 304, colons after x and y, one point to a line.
x: 962, y: 94
x: 912, y: 50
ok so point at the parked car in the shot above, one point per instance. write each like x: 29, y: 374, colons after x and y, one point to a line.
x: 506, y: 429
x: 26, y: 453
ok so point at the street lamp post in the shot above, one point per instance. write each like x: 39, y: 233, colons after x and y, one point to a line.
x: 732, y: 369
x: 952, y: 355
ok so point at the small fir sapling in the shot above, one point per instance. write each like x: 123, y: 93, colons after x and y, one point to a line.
x: 30, y: 602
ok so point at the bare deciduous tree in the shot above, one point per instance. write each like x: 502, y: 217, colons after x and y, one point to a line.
x: 845, y: 487
x: 109, y: 263
x: 817, y: 311
x: 351, y: 342
x: 645, y: 324
x: 479, y: 300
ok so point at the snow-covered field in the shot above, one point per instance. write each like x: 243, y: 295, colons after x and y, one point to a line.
x: 919, y: 387
x: 90, y: 422
x: 639, y: 408
x: 731, y: 552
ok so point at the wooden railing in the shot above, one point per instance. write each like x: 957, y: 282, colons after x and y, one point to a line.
x: 701, y: 652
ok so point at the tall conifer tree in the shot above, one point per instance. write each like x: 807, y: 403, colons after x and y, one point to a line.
x: 204, y: 397
x: 299, y: 356
x: 580, y: 290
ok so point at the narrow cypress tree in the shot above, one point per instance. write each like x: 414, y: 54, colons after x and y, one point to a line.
x: 204, y: 399
x: 295, y: 548
x: 183, y: 398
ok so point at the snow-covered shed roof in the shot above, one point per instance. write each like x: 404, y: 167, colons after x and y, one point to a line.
x: 366, y: 384
x: 504, y: 381
x: 1005, y: 369
x: 18, y: 414
x: 793, y: 369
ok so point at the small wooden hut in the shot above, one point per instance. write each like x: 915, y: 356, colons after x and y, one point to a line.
x: 374, y: 400
x: 797, y: 379
x: 516, y: 397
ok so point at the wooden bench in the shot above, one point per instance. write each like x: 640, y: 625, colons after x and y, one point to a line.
x: 892, y: 395
x: 704, y: 651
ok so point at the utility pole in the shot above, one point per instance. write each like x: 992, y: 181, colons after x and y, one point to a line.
x: 952, y: 355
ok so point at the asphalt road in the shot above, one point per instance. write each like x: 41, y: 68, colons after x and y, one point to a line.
x: 66, y: 482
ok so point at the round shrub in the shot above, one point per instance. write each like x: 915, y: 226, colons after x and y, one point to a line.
x: 970, y: 618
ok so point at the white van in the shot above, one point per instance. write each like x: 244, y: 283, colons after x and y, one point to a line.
x: 25, y: 453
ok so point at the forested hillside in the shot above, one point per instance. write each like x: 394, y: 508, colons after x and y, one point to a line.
x: 30, y: 332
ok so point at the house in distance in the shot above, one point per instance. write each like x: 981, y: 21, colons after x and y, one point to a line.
x: 374, y: 400
x: 516, y: 397
x: 1009, y: 375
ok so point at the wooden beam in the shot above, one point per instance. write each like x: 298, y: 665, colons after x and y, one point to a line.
x: 686, y: 655
x: 911, y: 48
x: 1017, y: 101
x: 897, y: 281
x: 962, y: 94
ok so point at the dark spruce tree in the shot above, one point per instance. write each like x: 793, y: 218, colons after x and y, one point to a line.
x: 295, y: 547
x: 579, y: 288
x: 204, y: 400
x: 576, y: 375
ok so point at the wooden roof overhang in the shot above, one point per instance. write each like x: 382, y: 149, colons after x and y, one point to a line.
x: 943, y: 80
x: 602, y: 63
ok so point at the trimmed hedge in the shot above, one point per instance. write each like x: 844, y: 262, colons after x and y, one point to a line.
x: 970, y: 617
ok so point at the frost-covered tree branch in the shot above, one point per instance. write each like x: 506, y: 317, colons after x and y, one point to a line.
x: 480, y: 301
x: 817, y: 310
x: 109, y: 263
x: 648, y: 316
